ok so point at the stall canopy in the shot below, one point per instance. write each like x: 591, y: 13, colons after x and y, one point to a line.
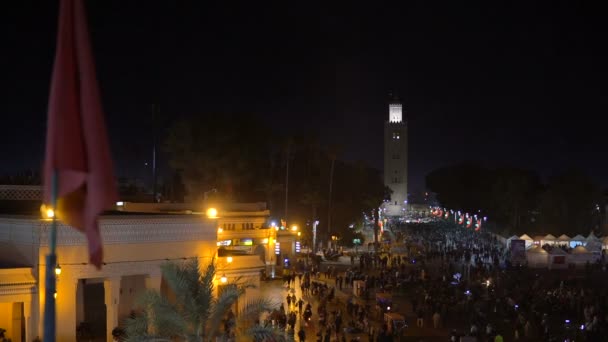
x: 593, y: 243
x: 605, y: 242
x: 526, y: 237
x: 537, y: 256
x: 579, y: 250
x: 550, y: 239
x: 563, y: 238
x: 577, y: 241
x: 528, y: 240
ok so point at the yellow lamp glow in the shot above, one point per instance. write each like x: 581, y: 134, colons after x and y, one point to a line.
x: 265, y: 241
x: 229, y: 259
x: 220, y: 230
x: 294, y: 228
x: 212, y: 213
x: 299, y: 233
x: 224, y: 279
x: 47, y: 212
x: 55, y: 295
x: 57, y: 269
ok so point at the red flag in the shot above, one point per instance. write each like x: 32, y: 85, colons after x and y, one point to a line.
x: 76, y: 141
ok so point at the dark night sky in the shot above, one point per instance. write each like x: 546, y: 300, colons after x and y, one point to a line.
x: 516, y: 84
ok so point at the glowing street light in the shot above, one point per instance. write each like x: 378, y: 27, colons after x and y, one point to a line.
x: 294, y: 228
x: 47, y: 212
x: 57, y: 269
x: 229, y: 259
x: 224, y: 279
x: 212, y: 213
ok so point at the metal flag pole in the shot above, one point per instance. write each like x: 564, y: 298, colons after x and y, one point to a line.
x: 51, y: 261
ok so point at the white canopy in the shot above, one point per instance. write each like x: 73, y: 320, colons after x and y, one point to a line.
x: 563, y: 237
x: 549, y: 237
x: 592, y: 237
x: 514, y: 237
x: 580, y: 250
x: 579, y: 237
x: 526, y: 237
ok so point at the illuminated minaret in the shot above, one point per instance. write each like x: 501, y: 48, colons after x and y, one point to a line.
x: 395, y: 158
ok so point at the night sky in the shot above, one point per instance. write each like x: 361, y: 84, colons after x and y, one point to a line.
x: 519, y: 85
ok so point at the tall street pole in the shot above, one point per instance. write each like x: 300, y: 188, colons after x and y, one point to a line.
x: 331, y: 184
x: 287, y: 180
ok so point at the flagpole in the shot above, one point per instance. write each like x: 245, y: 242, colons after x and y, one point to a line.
x: 51, y: 261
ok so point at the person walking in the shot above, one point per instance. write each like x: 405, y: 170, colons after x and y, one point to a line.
x: 436, y: 320
x: 302, y: 335
x: 420, y: 318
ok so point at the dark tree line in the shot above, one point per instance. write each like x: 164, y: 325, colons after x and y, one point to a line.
x: 518, y: 201
x: 238, y: 158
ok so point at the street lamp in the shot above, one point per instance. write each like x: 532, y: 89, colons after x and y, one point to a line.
x: 57, y: 269
x: 224, y: 279
x: 212, y: 213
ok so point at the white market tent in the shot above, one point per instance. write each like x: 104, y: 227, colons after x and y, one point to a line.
x: 548, y: 239
x: 563, y: 240
x: 581, y: 255
x: 577, y: 241
x: 557, y: 258
x: 592, y: 237
x: 537, y: 257
x: 605, y: 242
x: 514, y: 237
x: 593, y: 243
x: 528, y: 240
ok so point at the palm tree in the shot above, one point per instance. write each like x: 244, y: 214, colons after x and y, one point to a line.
x: 313, y: 199
x: 195, y: 313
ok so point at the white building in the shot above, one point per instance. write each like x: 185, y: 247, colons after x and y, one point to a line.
x: 396, y: 159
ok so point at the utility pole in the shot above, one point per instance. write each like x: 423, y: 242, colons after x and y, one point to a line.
x: 331, y: 184
x: 155, y: 109
x: 287, y: 179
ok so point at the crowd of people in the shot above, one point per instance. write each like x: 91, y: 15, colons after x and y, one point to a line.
x: 455, y: 280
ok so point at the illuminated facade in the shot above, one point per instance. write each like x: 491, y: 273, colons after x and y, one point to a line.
x: 396, y: 159
x: 135, y: 245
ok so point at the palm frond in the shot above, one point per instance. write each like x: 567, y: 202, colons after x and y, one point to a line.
x: 252, y: 310
x: 158, y: 311
x: 221, y: 305
x: 266, y: 333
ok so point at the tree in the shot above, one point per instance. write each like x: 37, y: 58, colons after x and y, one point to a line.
x: 313, y: 199
x: 465, y: 186
x: 569, y: 203
x: 219, y: 152
x: 514, y: 195
x: 195, y: 314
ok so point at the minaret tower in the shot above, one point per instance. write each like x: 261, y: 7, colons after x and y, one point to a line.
x: 395, y: 158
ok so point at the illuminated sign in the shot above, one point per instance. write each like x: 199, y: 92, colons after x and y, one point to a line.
x: 297, y: 246
x: 247, y: 242
x: 277, y: 248
x: 224, y: 243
